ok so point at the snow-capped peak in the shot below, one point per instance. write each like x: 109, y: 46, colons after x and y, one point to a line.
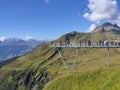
x: 2, y: 38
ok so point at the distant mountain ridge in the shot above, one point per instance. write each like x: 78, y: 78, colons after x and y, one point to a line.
x: 107, y: 27
x: 13, y: 47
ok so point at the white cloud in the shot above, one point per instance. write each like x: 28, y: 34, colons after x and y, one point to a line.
x: 47, y: 1
x: 91, y: 28
x: 102, y: 10
x: 2, y: 38
x: 28, y: 36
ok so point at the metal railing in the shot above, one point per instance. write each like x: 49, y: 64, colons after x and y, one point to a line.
x: 87, y: 45
x: 107, y: 45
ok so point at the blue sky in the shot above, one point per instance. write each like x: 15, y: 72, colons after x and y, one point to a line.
x: 49, y: 19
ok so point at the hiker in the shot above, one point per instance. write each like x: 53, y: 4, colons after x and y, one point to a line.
x: 100, y: 42
x: 80, y: 42
x: 115, y: 42
x: 60, y: 43
x: 89, y: 43
x: 112, y: 42
x: 118, y: 43
x: 65, y: 43
x: 107, y: 43
x: 52, y: 43
x: 85, y: 42
x: 68, y: 42
x: 104, y: 42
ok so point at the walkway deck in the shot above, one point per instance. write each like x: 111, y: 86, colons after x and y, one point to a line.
x: 78, y: 46
x: 57, y: 46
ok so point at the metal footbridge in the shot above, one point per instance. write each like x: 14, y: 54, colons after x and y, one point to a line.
x: 78, y: 46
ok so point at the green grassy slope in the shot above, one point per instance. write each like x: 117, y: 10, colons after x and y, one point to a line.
x: 3, y: 63
x: 27, y: 70
x: 43, y: 68
x: 101, y: 79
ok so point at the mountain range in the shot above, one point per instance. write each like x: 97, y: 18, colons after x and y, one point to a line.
x: 43, y: 69
x: 108, y: 27
x: 13, y: 47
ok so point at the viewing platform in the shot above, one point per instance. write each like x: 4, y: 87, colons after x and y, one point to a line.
x: 84, y: 46
x: 75, y: 45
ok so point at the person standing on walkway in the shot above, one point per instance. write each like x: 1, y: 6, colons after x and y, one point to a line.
x: 100, y: 42
x: 89, y: 43
x: 80, y: 42
x: 60, y: 43
x: 116, y: 42
x: 68, y: 42
x: 52, y: 42
x: 85, y: 42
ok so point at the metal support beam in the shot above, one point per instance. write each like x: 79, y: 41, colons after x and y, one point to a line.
x: 108, y: 58
x: 63, y: 61
x: 76, y: 60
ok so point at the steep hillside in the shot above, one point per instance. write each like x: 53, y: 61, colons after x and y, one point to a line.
x: 43, y: 68
x: 35, y: 69
x: 101, y: 79
x: 3, y: 63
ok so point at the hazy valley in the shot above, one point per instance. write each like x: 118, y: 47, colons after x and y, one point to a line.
x: 14, y: 47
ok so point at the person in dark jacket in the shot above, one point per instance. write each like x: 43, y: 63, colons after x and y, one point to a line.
x: 89, y: 43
